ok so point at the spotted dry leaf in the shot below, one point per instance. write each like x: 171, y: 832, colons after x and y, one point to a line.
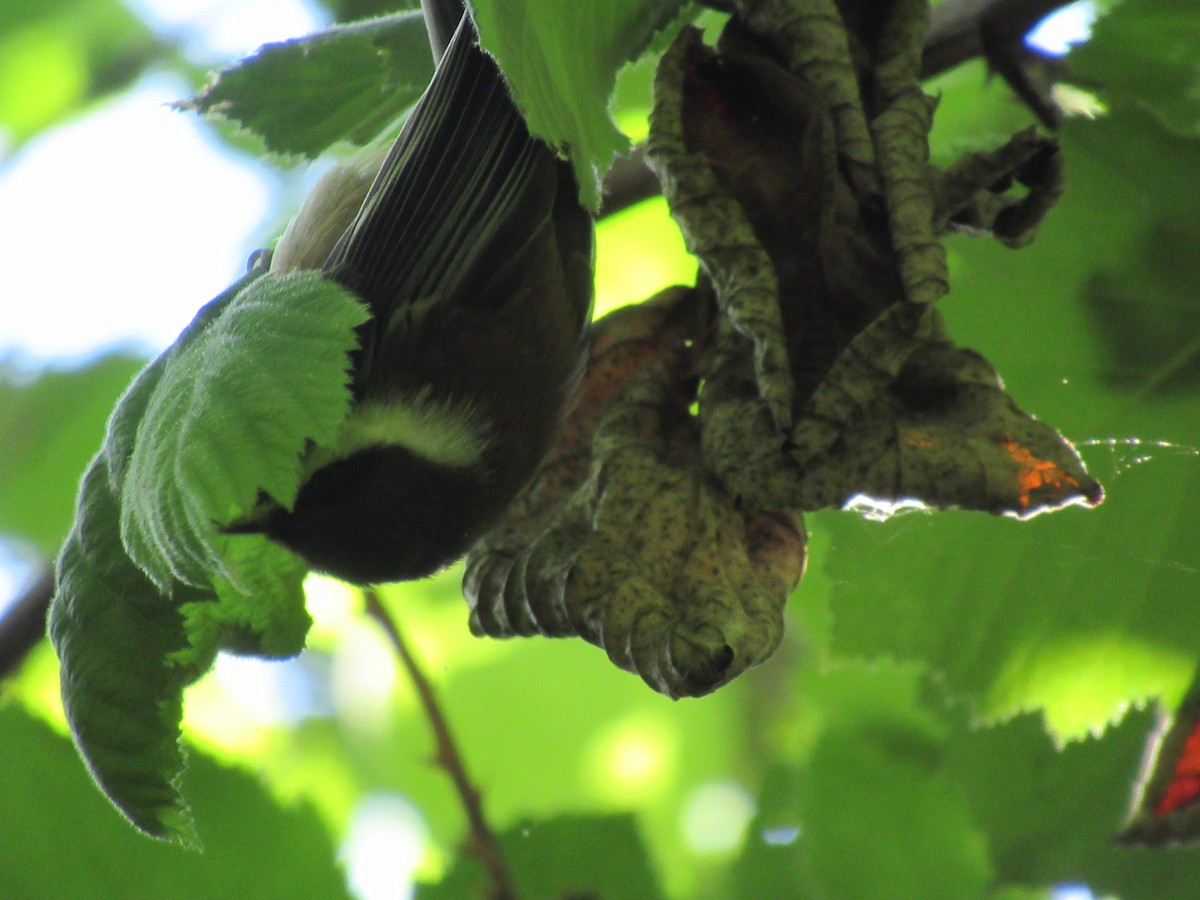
x: 944, y: 432
x: 764, y: 144
x: 824, y: 371
x: 847, y: 271
x: 645, y: 555
x: 620, y: 345
x: 716, y: 228
x: 977, y: 194
x: 812, y: 41
x: 1166, y: 803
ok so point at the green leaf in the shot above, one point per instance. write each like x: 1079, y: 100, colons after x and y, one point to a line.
x: 114, y: 632
x: 896, y: 793
x: 1031, y: 615
x: 882, y: 786
x: 231, y: 415
x: 127, y: 416
x: 1051, y: 814
x: 347, y: 83
x: 562, y: 59
x: 877, y: 770
x: 870, y: 811
x: 229, y: 409
x: 127, y: 652
x: 58, y: 838
x: 569, y: 856
x: 263, y: 615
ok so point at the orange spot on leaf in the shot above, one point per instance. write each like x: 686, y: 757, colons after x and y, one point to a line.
x: 1036, y: 475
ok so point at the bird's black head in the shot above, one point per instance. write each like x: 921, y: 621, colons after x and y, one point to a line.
x: 386, y: 514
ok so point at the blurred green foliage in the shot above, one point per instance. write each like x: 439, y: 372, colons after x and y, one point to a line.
x: 57, y: 56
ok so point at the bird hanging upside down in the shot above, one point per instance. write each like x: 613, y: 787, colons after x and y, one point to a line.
x: 475, y: 258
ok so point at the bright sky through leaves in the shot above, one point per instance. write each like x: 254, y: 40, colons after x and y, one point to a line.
x: 1060, y: 30
x: 151, y: 215
x: 161, y: 215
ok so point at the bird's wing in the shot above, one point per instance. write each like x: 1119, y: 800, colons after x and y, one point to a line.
x: 464, y: 187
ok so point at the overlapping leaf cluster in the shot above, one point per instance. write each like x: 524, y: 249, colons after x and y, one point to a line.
x: 625, y: 540
x: 149, y: 586
x: 1056, y: 631
x: 827, y: 376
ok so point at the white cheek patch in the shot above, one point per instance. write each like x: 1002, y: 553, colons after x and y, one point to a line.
x: 448, y: 433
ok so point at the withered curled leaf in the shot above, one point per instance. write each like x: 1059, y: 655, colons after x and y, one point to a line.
x: 717, y: 230
x: 812, y: 41
x: 943, y: 432
x: 1166, y: 803
x: 975, y: 194
x: 795, y: 158
x: 884, y: 404
x: 647, y: 556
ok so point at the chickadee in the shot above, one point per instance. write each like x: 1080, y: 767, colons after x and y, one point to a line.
x: 475, y: 257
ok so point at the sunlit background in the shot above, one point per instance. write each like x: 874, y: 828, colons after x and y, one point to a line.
x: 115, y: 228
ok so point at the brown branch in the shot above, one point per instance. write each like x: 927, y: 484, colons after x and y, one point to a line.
x: 482, y: 843
x: 24, y: 625
x: 995, y: 30
x: 960, y: 30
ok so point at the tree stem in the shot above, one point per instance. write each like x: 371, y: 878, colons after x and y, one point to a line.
x: 24, y: 625
x: 482, y: 841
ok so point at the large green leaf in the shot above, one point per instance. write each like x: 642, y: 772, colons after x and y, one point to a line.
x: 347, y: 83
x: 562, y: 61
x: 227, y: 411
x: 58, y: 838
x: 1050, y: 813
x: 870, y: 810
x: 231, y: 416
x: 896, y: 793
x: 116, y: 635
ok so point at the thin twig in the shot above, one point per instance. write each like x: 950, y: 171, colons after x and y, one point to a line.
x: 958, y: 28
x: 24, y: 625
x: 483, y: 843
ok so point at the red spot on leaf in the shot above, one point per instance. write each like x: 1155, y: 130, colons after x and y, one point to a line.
x: 1184, y: 787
